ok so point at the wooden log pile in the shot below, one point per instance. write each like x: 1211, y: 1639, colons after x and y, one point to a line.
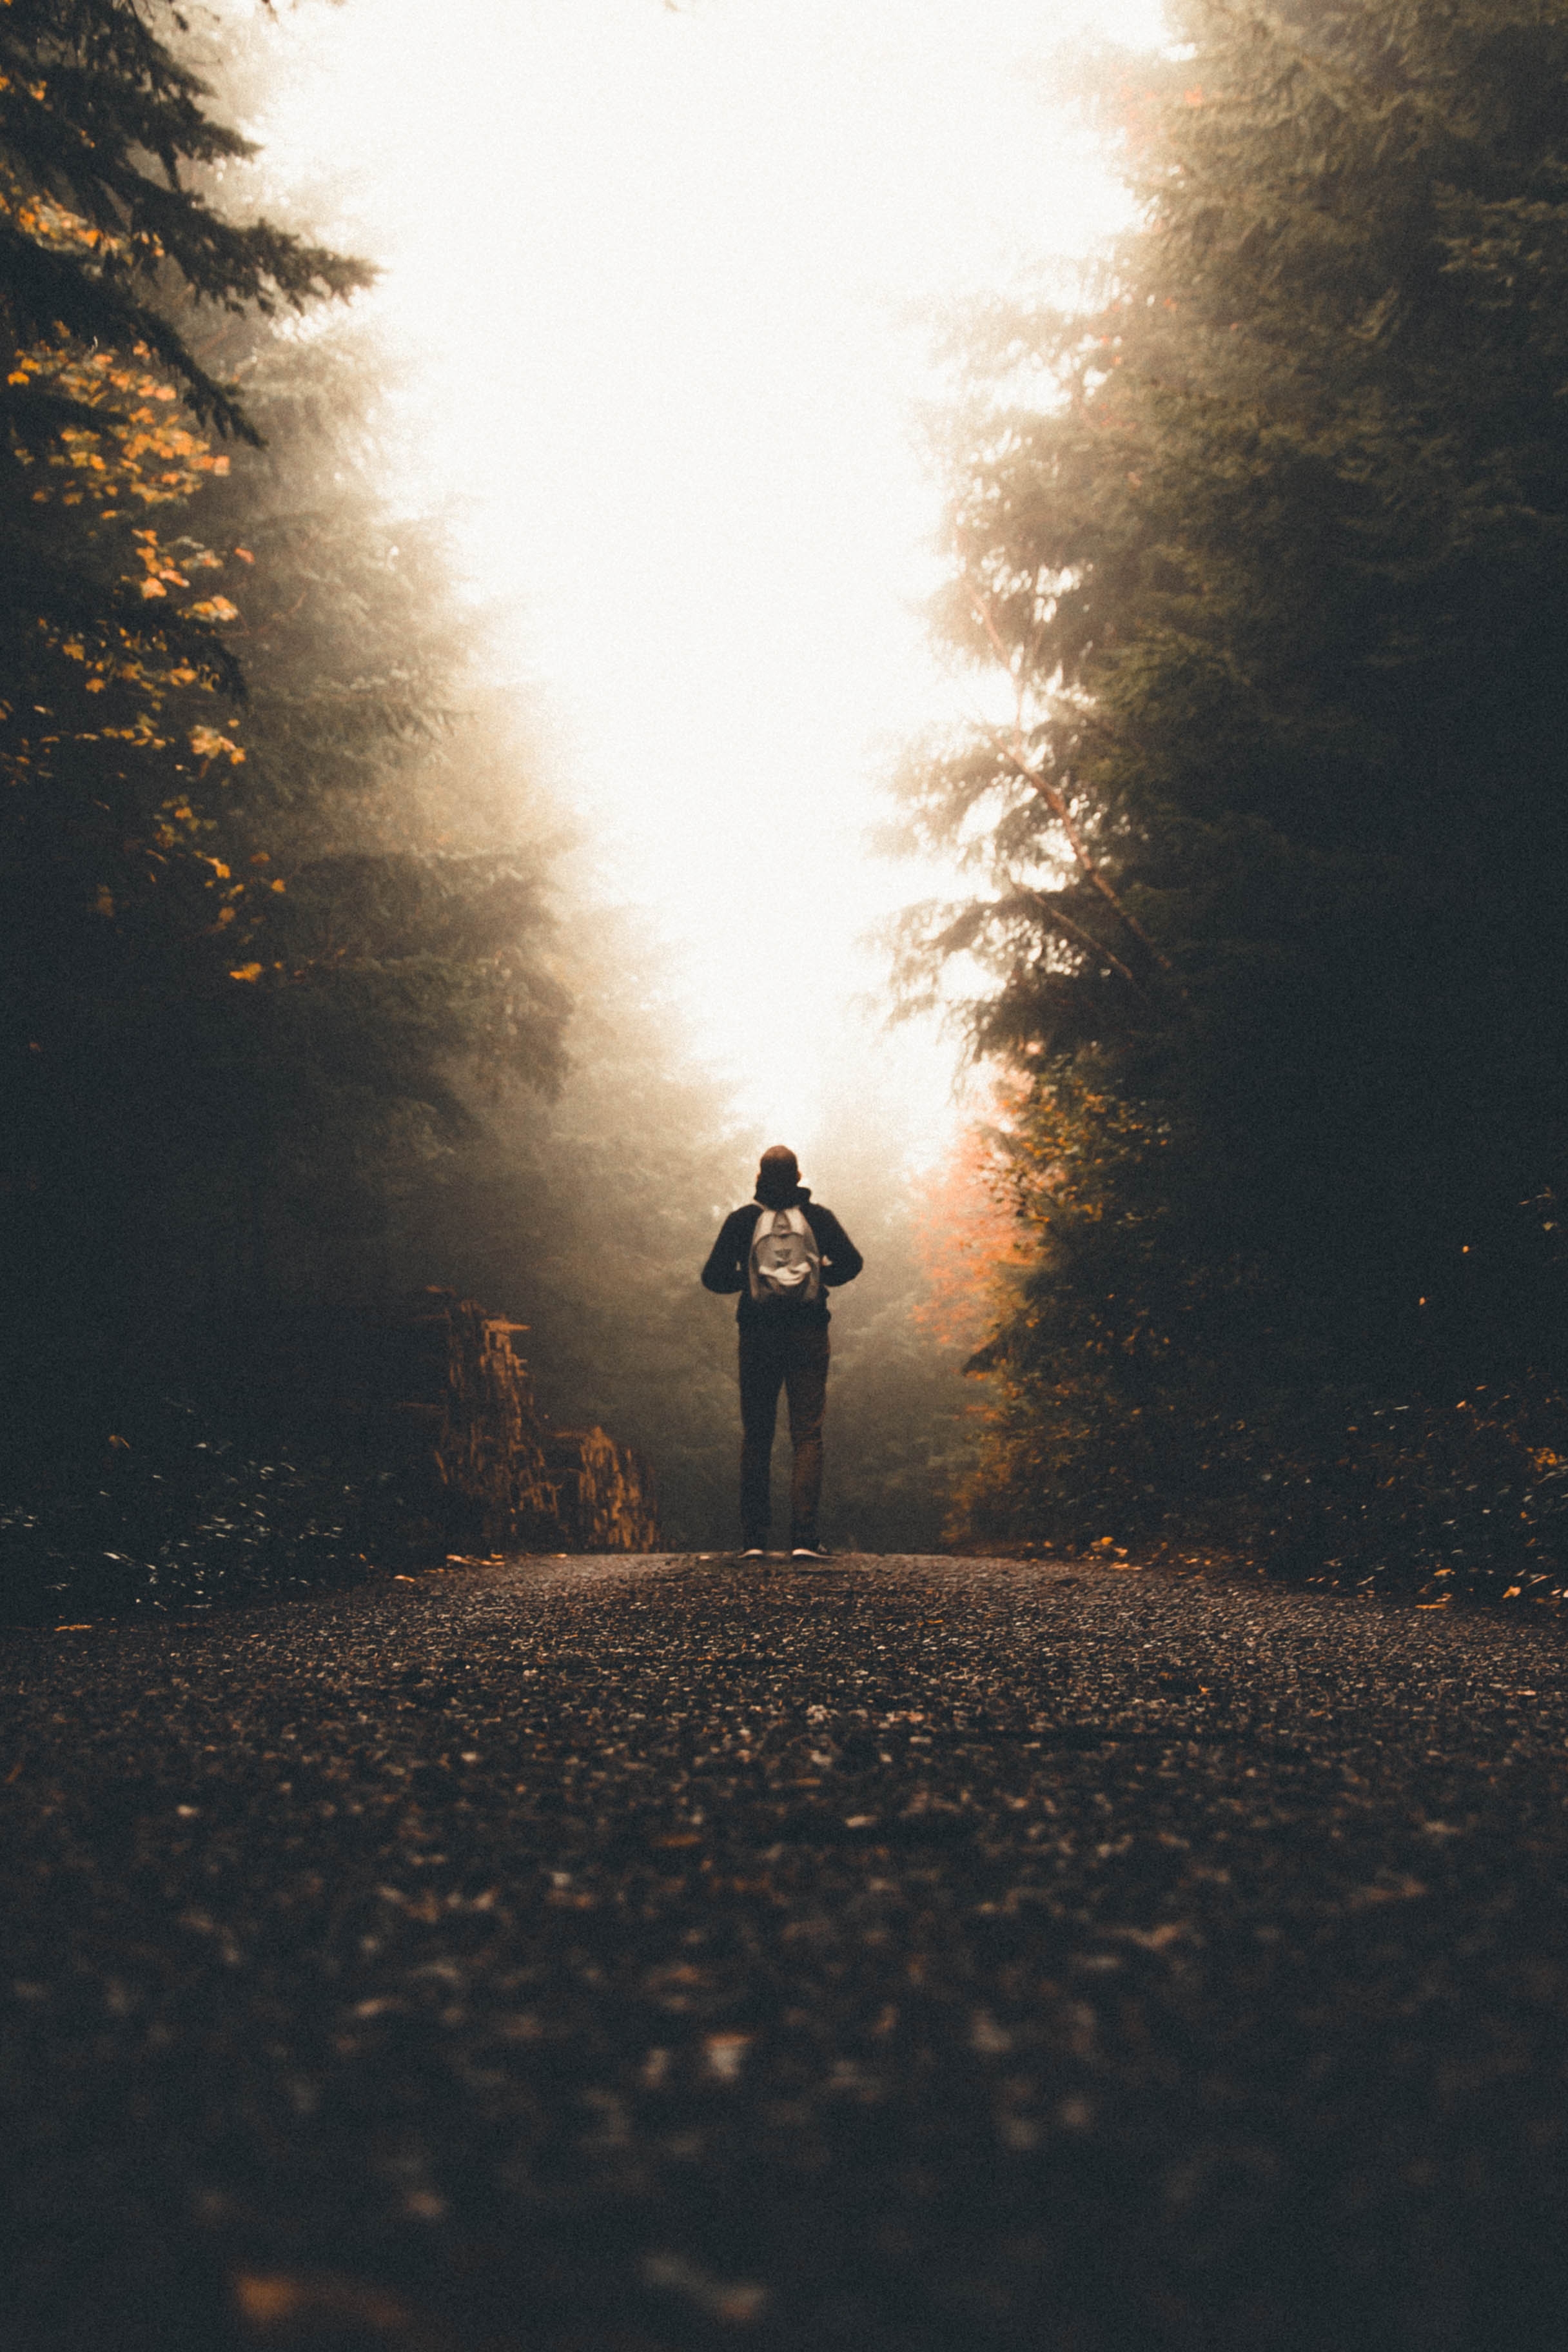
x: 498, y: 1476
x: 604, y: 1496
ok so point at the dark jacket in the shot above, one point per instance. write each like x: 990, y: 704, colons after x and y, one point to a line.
x: 728, y: 1260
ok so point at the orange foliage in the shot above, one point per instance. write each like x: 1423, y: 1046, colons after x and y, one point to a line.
x: 128, y: 451
x: 971, y: 1244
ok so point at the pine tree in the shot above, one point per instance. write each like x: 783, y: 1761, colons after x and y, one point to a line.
x: 1269, y: 540
x: 254, y: 956
x: 408, y: 967
x: 371, y: 963
x: 110, y: 248
x: 99, y: 117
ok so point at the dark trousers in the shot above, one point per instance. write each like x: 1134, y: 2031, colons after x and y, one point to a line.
x: 794, y: 1357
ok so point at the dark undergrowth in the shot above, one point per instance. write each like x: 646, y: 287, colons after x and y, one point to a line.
x: 177, y: 1518
x: 1430, y: 1503
x: 1468, y: 1501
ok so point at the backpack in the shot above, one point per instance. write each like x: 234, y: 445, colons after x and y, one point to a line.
x: 785, y: 1265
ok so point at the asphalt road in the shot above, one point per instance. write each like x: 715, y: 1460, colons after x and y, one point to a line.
x: 906, y: 1955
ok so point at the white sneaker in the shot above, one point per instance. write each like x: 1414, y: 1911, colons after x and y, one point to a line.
x: 811, y: 1551
x: 753, y: 1551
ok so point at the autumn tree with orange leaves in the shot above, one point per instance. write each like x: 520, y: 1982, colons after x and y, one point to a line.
x: 244, y: 957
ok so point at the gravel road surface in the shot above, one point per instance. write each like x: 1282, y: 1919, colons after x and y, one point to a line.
x: 899, y: 1956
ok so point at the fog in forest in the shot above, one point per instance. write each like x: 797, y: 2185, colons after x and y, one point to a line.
x: 580, y: 602
x: 666, y: 281
x: 593, y: 588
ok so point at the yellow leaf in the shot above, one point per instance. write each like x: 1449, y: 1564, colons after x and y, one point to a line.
x: 247, y: 971
x: 206, y: 743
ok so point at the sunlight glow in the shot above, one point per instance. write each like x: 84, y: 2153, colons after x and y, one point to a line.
x: 660, y: 274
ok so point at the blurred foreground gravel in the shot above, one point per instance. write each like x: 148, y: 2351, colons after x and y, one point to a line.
x: 904, y: 1954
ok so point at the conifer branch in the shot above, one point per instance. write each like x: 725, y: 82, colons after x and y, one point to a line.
x: 1056, y: 801
x: 1346, y: 87
x: 1080, y: 938
x: 1015, y: 754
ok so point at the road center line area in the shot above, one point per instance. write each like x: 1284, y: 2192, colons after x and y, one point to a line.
x: 909, y: 1955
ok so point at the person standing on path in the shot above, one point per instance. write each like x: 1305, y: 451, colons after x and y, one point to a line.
x: 781, y: 1252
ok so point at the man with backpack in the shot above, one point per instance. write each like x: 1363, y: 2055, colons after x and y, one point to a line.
x: 782, y: 1253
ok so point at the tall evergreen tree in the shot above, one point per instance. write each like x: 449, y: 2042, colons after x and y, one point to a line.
x: 109, y: 245
x: 102, y: 124
x: 246, y: 966
x: 1271, y: 548
x: 406, y: 970
x: 119, y: 908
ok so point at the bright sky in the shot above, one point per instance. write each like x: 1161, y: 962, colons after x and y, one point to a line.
x: 657, y: 266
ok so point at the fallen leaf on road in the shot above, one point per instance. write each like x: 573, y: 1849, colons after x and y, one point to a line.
x: 1155, y: 1939
x: 1393, y: 1890
x: 725, y: 2054
x: 278, y: 2302
x: 735, y: 2302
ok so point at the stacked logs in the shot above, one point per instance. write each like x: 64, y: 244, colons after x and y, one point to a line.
x: 497, y: 1476
x: 604, y: 1491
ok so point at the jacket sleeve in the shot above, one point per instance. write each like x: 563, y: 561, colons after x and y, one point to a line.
x: 844, y: 1260
x: 725, y: 1269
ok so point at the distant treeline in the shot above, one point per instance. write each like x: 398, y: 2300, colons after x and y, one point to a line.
x: 301, y: 1006
x: 1267, y: 539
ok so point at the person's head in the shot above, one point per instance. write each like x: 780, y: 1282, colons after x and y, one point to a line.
x: 778, y: 1177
